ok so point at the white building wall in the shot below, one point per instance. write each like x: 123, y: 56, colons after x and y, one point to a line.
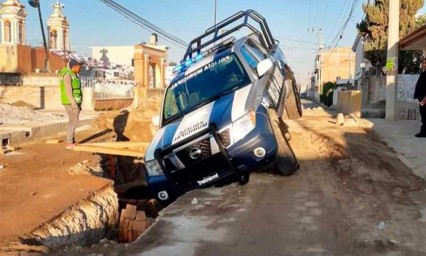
x: 359, y: 57
x: 116, y: 54
x: 358, y: 48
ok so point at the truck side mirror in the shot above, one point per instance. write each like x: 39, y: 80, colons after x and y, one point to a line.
x: 263, y: 67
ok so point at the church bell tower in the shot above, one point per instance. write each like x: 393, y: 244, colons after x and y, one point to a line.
x: 58, y: 28
x: 12, y: 22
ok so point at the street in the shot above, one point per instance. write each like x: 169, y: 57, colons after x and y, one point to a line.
x: 200, y: 129
x: 351, y: 196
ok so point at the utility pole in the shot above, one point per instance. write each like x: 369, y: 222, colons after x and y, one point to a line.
x: 318, y: 32
x: 363, y: 87
x: 215, y: 11
x: 392, y: 62
x: 36, y: 4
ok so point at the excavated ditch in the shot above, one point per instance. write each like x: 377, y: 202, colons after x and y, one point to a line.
x: 97, y: 218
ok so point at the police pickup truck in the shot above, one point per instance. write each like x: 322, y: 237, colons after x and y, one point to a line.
x: 221, y: 114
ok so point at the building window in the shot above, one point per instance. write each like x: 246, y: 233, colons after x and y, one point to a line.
x: 53, y: 39
x: 7, y: 32
x: 21, y: 33
x: 65, y: 46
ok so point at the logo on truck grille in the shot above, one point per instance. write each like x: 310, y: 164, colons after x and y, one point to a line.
x: 194, y: 153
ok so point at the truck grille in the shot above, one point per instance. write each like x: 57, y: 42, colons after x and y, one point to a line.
x: 195, y: 152
x: 189, y: 177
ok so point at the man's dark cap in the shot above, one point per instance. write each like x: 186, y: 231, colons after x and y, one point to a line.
x: 74, y: 62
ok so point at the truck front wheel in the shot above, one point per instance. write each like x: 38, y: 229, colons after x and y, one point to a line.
x: 286, y: 160
x: 293, y: 106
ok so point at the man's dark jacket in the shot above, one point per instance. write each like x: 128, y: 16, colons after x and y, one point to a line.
x: 420, y: 91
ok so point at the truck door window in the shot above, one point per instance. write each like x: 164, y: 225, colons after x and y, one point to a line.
x: 252, y: 55
x: 249, y: 57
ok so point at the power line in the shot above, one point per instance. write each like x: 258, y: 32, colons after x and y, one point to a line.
x: 340, y: 33
x: 316, y: 13
x: 295, y: 40
x: 345, y: 24
x: 324, y: 13
x: 341, y: 15
x: 144, y: 23
x: 298, y: 47
x: 71, y: 3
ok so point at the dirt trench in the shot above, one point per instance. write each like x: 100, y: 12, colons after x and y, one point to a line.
x: 93, y: 217
x: 352, y: 196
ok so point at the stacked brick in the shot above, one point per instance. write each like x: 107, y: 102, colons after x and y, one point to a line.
x: 132, y: 224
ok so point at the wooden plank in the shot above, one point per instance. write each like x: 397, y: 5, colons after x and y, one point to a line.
x: 109, y: 151
x: 119, y: 144
x: 53, y: 141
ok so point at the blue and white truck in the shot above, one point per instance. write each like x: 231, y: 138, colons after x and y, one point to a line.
x: 222, y: 114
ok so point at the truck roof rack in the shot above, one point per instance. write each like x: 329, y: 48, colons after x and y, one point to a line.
x: 211, y: 35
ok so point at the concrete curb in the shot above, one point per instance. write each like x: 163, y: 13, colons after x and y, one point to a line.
x: 12, y: 135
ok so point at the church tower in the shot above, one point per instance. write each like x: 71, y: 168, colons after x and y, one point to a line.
x: 58, y: 28
x: 12, y: 22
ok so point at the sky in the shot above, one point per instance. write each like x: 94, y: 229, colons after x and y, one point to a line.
x: 296, y: 24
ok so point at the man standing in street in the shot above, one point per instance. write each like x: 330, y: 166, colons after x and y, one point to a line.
x: 71, y: 97
x: 420, y: 95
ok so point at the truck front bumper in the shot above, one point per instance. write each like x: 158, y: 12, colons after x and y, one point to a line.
x: 256, y: 150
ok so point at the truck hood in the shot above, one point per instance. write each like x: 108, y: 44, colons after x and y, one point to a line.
x: 222, y: 112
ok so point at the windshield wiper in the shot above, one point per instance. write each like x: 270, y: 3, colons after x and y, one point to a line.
x: 174, y: 117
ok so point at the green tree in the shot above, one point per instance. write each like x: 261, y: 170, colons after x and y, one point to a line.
x: 374, y: 28
x: 420, y: 20
x: 327, y: 93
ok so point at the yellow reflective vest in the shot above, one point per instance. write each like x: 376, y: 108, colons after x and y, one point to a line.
x: 75, y: 84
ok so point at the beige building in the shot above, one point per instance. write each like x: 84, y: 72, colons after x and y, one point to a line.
x: 150, y: 64
x: 337, y: 63
x: 122, y: 55
x: 16, y: 56
x: 12, y: 19
x: 331, y: 65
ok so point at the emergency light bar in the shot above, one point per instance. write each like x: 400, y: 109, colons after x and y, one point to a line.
x: 185, y: 65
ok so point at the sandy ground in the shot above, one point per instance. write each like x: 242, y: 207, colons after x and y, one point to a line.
x: 39, y: 180
x: 352, y: 196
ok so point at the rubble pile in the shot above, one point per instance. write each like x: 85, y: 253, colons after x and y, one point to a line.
x: 23, y: 115
x: 132, y: 125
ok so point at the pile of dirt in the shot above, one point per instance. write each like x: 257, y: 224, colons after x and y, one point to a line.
x: 132, y: 125
x: 10, y: 114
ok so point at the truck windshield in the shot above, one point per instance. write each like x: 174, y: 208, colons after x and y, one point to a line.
x: 217, y: 78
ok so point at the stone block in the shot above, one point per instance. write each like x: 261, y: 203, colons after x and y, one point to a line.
x: 140, y: 216
x: 130, y: 212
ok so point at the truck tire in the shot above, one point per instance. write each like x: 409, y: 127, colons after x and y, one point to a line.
x: 286, y: 160
x: 244, y: 178
x: 293, y: 106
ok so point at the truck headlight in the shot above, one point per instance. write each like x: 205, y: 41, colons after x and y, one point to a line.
x: 243, y: 126
x: 153, y: 168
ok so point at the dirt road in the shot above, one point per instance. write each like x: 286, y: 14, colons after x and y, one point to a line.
x: 351, y: 196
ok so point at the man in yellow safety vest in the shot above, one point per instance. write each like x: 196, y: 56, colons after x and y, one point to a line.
x: 71, y: 97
